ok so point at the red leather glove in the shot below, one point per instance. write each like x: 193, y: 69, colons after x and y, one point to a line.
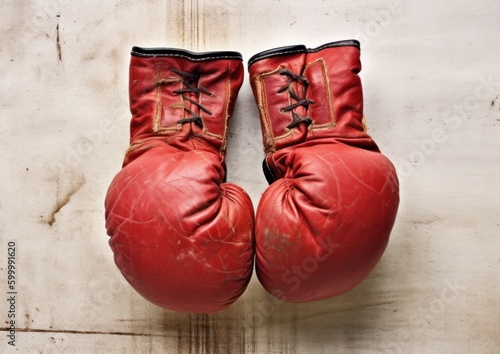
x: 181, y: 236
x: 324, y: 222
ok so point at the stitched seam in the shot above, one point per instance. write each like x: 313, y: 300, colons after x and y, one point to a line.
x: 325, y: 126
x: 225, y: 114
x: 185, y: 56
x: 329, y: 92
x: 277, y: 53
x: 284, y: 135
x: 264, y: 107
x: 347, y: 43
x: 159, y: 110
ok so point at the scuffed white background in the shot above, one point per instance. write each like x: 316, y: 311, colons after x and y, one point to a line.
x: 431, y: 78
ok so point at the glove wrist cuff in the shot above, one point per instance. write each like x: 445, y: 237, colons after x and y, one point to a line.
x: 306, y: 94
x: 183, y: 98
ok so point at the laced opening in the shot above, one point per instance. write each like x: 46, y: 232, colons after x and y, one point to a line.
x: 190, y: 82
x: 299, y: 101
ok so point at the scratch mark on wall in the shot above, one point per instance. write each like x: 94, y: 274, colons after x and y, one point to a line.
x: 202, y: 333
x: 64, y: 201
x: 193, y: 16
x: 200, y: 25
x: 58, y: 42
x: 494, y: 100
x: 116, y: 333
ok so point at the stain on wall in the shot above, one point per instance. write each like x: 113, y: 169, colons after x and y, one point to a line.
x: 200, y: 26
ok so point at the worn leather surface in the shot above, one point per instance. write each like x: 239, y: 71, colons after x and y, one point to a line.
x: 324, y: 222
x: 181, y: 236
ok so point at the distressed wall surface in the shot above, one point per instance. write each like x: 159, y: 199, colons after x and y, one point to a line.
x: 431, y: 76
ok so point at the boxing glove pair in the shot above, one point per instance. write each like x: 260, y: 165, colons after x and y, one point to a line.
x: 186, y: 239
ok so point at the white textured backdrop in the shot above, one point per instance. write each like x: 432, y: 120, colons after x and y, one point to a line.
x: 431, y: 76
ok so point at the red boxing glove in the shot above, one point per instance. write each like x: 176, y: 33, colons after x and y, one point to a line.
x: 324, y: 222
x: 181, y: 236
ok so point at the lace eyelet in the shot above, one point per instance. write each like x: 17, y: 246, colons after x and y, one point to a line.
x: 190, y: 82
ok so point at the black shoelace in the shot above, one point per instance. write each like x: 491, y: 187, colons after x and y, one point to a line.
x: 190, y: 83
x: 304, y: 102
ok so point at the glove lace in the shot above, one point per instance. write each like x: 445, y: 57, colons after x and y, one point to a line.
x: 190, y: 86
x: 299, y: 101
